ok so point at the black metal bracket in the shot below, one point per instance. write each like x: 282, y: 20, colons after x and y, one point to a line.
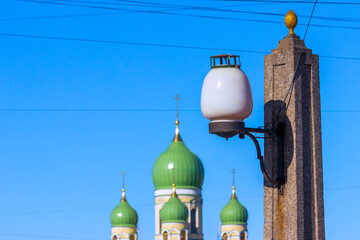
x: 230, y: 129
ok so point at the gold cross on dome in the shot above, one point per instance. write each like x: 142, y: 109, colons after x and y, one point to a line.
x: 123, y: 178
x: 177, y: 106
x: 233, y: 173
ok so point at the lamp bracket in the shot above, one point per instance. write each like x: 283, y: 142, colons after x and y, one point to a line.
x: 230, y: 129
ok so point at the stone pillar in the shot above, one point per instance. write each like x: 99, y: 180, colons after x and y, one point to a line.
x: 299, y: 212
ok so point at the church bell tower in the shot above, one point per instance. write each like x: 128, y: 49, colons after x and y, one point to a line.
x: 178, y: 160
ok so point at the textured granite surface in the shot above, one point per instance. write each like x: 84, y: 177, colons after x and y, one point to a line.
x: 299, y: 212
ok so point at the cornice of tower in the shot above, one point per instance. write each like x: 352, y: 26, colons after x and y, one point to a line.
x: 182, y: 192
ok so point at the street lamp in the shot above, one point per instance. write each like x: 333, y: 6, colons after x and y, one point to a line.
x: 226, y: 101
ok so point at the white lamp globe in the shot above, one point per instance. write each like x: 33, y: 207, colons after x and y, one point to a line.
x: 226, y: 92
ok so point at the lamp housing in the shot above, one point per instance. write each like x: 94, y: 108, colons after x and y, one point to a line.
x: 226, y: 93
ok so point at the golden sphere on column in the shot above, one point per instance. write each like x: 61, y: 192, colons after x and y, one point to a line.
x: 291, y: 21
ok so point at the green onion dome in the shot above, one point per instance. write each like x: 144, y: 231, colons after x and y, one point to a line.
x: 123, y: 215
x: 189, y: 170
x: 174, y: 210
x: 234, y: 213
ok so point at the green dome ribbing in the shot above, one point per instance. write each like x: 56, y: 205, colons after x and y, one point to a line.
x: 124, y: 215
x: 174, y: 211
x: 189, y: 171
x: 234, y: 213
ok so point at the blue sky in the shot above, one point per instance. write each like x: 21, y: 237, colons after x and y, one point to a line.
x: 60, y: 170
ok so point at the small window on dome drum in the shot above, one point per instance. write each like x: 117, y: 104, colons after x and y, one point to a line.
x: 114, y: 238
x: 193, y: 220
x: 242, y: 236
x: 132, y: 237
x: 165, y: 236
x: 182, y: 235
x: 160, y: 224
x: 224, y: 236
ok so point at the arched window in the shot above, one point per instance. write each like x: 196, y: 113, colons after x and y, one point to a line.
x: 224, y: 236
x: 165, y: 236
x: 160, y: 224
x: 193, y: 220
x: 182, y: 235
x: 114, y: 238
x: 132, y: 237
x: 242, y: 236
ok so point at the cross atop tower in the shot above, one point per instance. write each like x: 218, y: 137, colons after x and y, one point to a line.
x: 123, y: 178
x: 233, y: 188
x: 123, y: 199
x: 233, y: 173
x: 177, y: 137
x: 177, y: 106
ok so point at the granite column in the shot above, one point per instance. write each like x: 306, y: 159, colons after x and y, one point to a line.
x: 297, y: 213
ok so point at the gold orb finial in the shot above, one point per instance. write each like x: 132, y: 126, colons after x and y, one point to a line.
x: 233, y: 196
x: 174, y: 191
x: 291, y: 21
x: 123, y: 198
x: 177, y: 137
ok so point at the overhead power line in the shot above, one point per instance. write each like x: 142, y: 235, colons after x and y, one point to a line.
x: 131, y: 43
x: 343, y: 188
x: 220, y: 9
x: 46, y: 237
x: 311, y: 17
x: 91, y: 110
x: 173, y: 7
x: 127, y: 3
x: 155, y: 45
x: 103, y: 14
x: 292, y: 84
x: 298, y: 62
x: 284, y: 1
x: 132, y: 110
x: 354, y: 20
x: 252, y: 1
x: 152, y: 204
x: 166, y: 12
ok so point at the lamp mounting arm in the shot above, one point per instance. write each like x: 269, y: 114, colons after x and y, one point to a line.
x: 279, y: 179
x: 261, y: 158
x: 230, y: 129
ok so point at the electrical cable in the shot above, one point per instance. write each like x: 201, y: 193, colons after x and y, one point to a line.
x: 166, y: 12
x: 297, y: 65
x: 292, y: 84
x: 343, y: 188
x: 130, y: 110
x: 156, y: 45
x: 110, y: 3
x: 311, y: 15
x: 284, y: 1
x: 101, y: 14
x: 239, y: 11
x: 132, y: 43
x: 151, y: 204
x: 46, y: 237
x: 90, y: 110
x: 189, y: 7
